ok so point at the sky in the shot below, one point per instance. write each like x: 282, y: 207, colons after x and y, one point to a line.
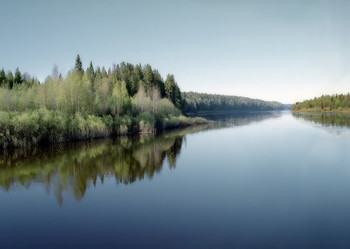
x: 279, y: 50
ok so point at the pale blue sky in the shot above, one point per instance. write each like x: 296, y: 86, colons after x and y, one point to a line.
x: 285, y: 50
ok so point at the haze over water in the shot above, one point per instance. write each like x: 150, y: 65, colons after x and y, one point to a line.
x: 272, y: 180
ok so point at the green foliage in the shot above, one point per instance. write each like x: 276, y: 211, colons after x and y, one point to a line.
x: 86, y: 105
x: 141, y: 101
x: 182, y: 121
x: 146, y: 122
x: 123, y: 125
x: 165, y: 108
x: 325, y: 103
x: 39, y: 126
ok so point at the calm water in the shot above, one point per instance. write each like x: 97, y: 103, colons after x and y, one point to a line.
x: 272, y: 180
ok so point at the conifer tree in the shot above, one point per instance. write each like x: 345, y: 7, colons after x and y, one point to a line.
x: 172, y: 91
x: 18, y: 77
x: 148, y: 77
x: 90, y: 72
x: 169, y: 88
x: 9, y: 79
x: 138, y: 72
x: 159, y: 83
x: 2, y: 77
x: 104, y: 73
x: 79, y: 65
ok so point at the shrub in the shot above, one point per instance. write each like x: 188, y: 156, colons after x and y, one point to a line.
x: 170, y: 122
x: 182, y: 121
x: 146, y: 122
x: 166, y: 109
x: 123, y: 124
x: 53, y: 125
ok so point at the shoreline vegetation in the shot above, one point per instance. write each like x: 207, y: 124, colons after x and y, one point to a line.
x: 87, y: 104
x: 98, y: 102
x: 323, y: 111
x: 338, y: 103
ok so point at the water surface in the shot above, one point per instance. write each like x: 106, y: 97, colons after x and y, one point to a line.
x: 258, y: 180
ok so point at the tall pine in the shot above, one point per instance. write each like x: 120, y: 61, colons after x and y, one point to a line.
x: 90, y: 73
x: 18, y: 77
x: 148, y: 77
x: 2, y: 77
x: 172, y: 91
x: 79, y: 65
x: 9, y: 79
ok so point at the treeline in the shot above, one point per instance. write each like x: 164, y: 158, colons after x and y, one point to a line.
x: 10, y: 80
x: 202, y: 102
x: 89, y: 103
x: 328, y: 103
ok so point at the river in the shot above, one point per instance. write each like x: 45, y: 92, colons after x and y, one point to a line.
x: 253, y: 180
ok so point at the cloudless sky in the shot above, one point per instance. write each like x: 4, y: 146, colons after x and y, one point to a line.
x: 284, y: 50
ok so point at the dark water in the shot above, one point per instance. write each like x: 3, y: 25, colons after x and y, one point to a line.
x: 273, y: 180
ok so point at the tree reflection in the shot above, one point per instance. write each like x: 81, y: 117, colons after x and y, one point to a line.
x: 76, y: 167
x: 324, y: 118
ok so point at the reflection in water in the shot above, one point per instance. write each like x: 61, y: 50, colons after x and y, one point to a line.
x: 260, y: 185
x: 239, y: 119
x: 324, y: 119
x: 231, y: 119
x: 75, y: 167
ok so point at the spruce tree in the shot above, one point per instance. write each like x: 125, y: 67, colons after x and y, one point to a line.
x: 79, y: 65
x: 104, y: 72
x: 148, y: 77
x: 169, y: 88
x: 90, y: 72
x: 172, y: 91
x: 2, y: 77
x: 18, y: 77
x: 9, y: 79
x: 138, y: 72
x: 159, y: 83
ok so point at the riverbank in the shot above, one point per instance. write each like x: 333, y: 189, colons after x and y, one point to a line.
x: 88, y: 104
x: 347, y: 111
x: 326, y: 103
x: 23, y: 129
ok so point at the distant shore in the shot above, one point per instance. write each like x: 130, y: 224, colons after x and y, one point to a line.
x: 322, y: 111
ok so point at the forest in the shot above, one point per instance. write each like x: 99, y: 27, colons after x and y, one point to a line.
x: 202, y: 102
x: 85, y: 104
x: 325, y: 103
